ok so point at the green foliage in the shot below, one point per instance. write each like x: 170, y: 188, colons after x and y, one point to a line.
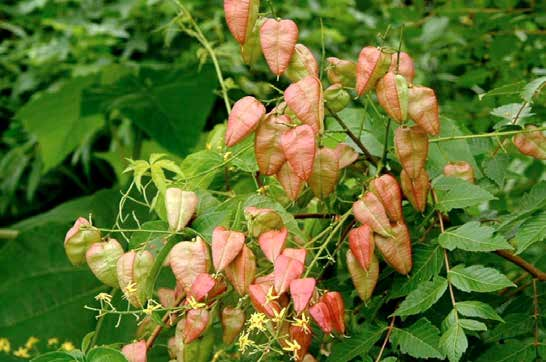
x: 420, y: 340
x: 472, y: 237
x: 477, y: 278
x: 422, y: 298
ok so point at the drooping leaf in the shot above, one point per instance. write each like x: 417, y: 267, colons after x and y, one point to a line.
x: 473, y: 237
x: 477, y: 278
x: 420, y: 340
x: 422, y: 298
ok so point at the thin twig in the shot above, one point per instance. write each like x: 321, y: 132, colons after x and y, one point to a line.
x: 485, y: 135
x: 522, y: 263
x: 389, y: 331
x: 535, y: 313
x: 314, y: 215
x: 150, y: 341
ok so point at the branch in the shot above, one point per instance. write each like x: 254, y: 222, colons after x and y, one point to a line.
x: 314, y: 215
x: 157, y: 330
x: 522, y: 263
x: 484, y: 135
x: 352, y: 136
x: 389, y: 331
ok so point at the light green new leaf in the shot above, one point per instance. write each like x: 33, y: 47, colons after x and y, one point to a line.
x: 422, y: 298
x: 472, y: 325
x: 532, y: 88
x: 477, y: 309
x: 454, y: 193
x: 511, y: 350
x: 420, y: 340
x: 453, y: 342
x: 473, y: 237
x: 477, y: 278
x: 357, y: 346
x: 531, y: 231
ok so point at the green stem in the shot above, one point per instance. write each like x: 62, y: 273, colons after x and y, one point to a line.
x: 485, y: 135
x: 386, y: 143
x: 399, y: 48
x: 8, y: 233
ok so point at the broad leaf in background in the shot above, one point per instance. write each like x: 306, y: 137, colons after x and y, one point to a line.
x: 454, y: 193
x: 420, y: 340
x: 529, y: 203
x: 472, y: 237
x: 509, y: 351
x: 358, y: 345
x: 530, y: 232
x: 58, y: 122
x: 477, y: 278
x: 422, y: 298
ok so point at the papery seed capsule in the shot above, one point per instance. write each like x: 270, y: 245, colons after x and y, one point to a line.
x: 305, y: 99
x: 258, y: 296
x: 301, y: 291
x: 195, y: 324
x: 387, y: 190
x: 411, y: 144
x: 298, y: 254
x: 269, y: 154
x: 278, y: 39
x: 405, y: 66
x: 243, y: 119
x: 167, y: 297
x: 205, y: 287
x: 372, y: 64
x: 323, y: 180
x: 289, y: 181
x: 341, y: 71
x: 303, y: 337
x: 102, y: 259
x: 334, y: 302
x: 181, y: 206
x: 299, y: 148
x: 369, y: 210
x: 240, y: 17
x: 308, y: 358
x: 302, y: 64
x: 189, y: 259
x: 135, y: 352
x: 361, y: 243
x: 233, y: 321
x: 262, y: 220
x: 78, y: 239
x: 416, y: 190
x: 242, y: 270
x: 423, y: 108
x: 393, y: 95
x: 364, y: 280
x: 532, y: 143
x: 336, y: 97
x: 226, y: 245
x: 396, y: 250
x: 322, y: 316
x: 133, y: 268
x: 460, y: 169
x: 272, y: 242
x: 286, y: 270
x: 346, y: 155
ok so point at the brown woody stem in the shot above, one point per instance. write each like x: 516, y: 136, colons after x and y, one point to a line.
x: 314, y: 215
x: 522, y: 263
x: 150, y: 341
x: 389, y: 331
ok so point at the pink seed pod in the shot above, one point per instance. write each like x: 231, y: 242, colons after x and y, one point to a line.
x: 411, y: 145
x: 416, y: 190
x: 302, y: 64
x: 226, y: 245
x: 132, y: 269
x: 258, y: 297
x: 301, y: 291
x: 285, y: 270
x: 303, y: 337
x: 135, y: 352
x: 181, y: 206
x: 272, y: 242
x: 392, y: 94
x: 372, y: 65
x: 322, y: 316
x: 233, y: 321
x: 167, y: 297
x: 240, y: 16
x: 532, y: 144
x: 361, y: 243
x: 387, y: 190
x: 341, y: 71
x: 460, y: 169
x: 242, y: 270
x: 262, y: 220
x: 423, y: 109
x: 195, y: 324
x: 78, y: 239
x: 299, y: 149
x: 334, y: 302
x: 298, y: 254
x: 278, y: 40
x: 396, y: 250
x: 405, y: 67
x: 336, y: 97
x: 269, y: 153
x: 102, y: 259
x: 205, y: 287
x: 323, y: 180
x: 289, y: 181
x: 243, y: 119
x: 364, y: 280
x: 188, y: 259
x: 346, y: 155
x: 305, y: 99
x: 370, y: 211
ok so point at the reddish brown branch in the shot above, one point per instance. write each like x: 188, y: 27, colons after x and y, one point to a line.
x: 314, y: 215
x: 164, y: 320
x: 389, y: 331
x: 522, y: 263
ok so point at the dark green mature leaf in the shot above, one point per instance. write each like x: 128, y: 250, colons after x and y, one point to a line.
x: 529, y: 203
x: 57, y: 121
x: 531, y: 231
x: 495, y: 168
x: 420, y: 340
x: 477, y: 278
x: 427, y: 263
x: 105, y: 354
x: 477, y: 309
x: 454, y: 342
x: 163, y: 102
x: 511, y: 350
x: 454, y: 193
x: 357, y: 345
x: 422, y: 298
x: 516, y: 324
x: 472, y: 237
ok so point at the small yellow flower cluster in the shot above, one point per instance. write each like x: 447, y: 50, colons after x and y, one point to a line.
x: 270, y: 297
x: 151, y: 306
x: 292, y: 347
x: 279, y: 317
x: 53, y: 341
x: 5, y: 346
x: 195, y: 304
x: 130, y: 289
x: 31, y: 341
x: 67, y: 346
x: 104, y: 297
x: 245, y: 342
x: 21, y: 352
x: 257, y: 322
x: 302, y: 322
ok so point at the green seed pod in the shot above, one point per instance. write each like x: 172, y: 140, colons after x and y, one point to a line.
x: 78, y: 239
x: 102, y: 259
x: 233, y: 321
x: 341, y: 71
x: 133, y: 268
x: 336, y: 97
x: 364, y: 280
x: 262, y: 220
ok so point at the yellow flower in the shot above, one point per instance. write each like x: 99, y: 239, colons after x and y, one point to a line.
x: 21, y: 352
x: 279, y: 317
x: 104, y: 297
x: 151, y: 307
x: 130, y: 288
x: 195, y: 304
x: 227, y: 155
x: 292, y: 346
x: 31, y: 341
x: 245, y: 342
x: 270, y: 297
x: 257, y: 321
x: 5, y: 345
x: 52, y: 341
x: 67, y: 346
x: 303, y: 323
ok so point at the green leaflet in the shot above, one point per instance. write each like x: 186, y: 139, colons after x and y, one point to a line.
x: 477, y: 309
x: 478, y: 278
x: 358, y: 345
x: 454, y: 342
x: 472, y: 237
x: 420, y: 340
x: 422, y: 298
x: 454, y: 193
